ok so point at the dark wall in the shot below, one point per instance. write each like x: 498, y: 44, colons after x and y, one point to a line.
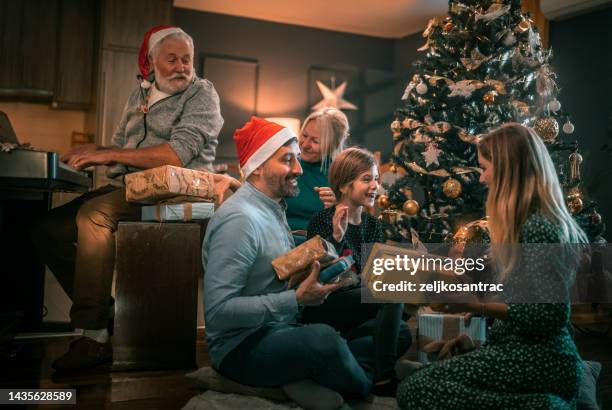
x: 583, y: 62
x: 405, y: 53
x: 286, y: 52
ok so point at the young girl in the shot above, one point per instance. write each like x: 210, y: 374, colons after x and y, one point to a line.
x: 530, y: 360
x: 375, y: 332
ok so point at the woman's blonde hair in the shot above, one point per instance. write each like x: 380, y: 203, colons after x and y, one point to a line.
x: 347, y: 166
x: 333, y: 132
x: 524, y: 180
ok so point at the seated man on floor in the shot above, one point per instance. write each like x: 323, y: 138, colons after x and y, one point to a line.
x: 171, y: 118
x: 251, y: 316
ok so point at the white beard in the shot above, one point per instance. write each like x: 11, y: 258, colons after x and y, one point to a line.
x: 165, y: 85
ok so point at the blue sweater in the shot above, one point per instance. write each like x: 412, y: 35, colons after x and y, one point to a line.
x: 241, y: 290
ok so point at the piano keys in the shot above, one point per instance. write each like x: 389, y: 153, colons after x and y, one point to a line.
x: 40, y: 170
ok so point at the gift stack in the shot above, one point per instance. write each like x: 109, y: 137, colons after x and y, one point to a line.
x: 440, y: 336
x: 172, y: 193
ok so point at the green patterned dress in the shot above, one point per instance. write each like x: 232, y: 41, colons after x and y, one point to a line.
x: 529, y: 362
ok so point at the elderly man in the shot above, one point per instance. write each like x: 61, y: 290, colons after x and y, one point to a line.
x: 172, y: 118
x: 251, y: 316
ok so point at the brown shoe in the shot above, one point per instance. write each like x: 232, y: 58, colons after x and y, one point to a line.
x: 84, y: 353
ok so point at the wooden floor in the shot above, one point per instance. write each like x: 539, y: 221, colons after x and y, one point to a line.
x: 30, y: 367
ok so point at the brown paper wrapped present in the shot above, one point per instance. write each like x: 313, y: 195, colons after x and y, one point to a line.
x: 298, y: 260
x: 153, y: 185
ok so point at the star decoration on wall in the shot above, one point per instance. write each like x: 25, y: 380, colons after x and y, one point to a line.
x: 333, y: 98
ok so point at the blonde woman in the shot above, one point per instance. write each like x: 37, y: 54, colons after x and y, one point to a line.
x: 530, y: 360
x: 322, y: 137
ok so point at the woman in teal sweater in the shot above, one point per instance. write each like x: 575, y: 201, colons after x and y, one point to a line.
x: 530, y: 360
x: 322, y: 137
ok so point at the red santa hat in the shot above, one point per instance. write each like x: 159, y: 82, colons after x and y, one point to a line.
x: 151, y: 38
x: 257, y: 141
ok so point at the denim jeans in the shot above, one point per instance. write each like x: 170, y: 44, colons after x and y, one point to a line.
x: 284, y: 353
x: 375, y: 331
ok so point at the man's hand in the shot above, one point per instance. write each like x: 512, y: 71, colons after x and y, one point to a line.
x: 340, y: 222
x: 81, y: 149
x: 87, y: 159
x: 223, y: 183
x: 326, y: 195
x: 311, y: 292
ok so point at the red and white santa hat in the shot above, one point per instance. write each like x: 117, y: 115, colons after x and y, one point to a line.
x: 152, y: 37
x: 257, y: 141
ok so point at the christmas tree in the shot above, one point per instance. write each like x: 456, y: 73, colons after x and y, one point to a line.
x: 484, y: 66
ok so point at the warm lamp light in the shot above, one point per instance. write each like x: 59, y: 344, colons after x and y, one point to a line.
x: 292, y: 123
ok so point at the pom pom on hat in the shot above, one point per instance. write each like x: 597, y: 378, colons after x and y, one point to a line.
x: 152, y: 37
x: 257, y: 141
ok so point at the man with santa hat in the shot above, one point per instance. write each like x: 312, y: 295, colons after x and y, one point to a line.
x: 251, y: 316
x: 171, y: 118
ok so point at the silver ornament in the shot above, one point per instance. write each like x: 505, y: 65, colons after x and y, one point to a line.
x: 421, y: 88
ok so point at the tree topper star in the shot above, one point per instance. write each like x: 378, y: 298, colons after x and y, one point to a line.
x: 333, y: 98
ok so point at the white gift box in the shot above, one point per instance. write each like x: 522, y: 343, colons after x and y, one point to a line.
x: 185, y: 211
x: 443, y: 327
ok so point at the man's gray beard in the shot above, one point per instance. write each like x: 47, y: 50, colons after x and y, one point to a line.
x: 293, y: 194
x: 164, y: 86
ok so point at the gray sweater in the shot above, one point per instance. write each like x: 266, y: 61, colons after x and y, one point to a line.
x: 189, y: 121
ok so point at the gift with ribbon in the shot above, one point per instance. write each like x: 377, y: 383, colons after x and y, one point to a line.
x: 440, y: 336
x: 155, y: 184
x: 185, y: 211
x: 296, y: 263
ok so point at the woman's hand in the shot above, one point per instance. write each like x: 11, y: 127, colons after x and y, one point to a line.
x: 468, y: 309
x: 326, y: 195
x: 340, y: 222
x: 456, y: 307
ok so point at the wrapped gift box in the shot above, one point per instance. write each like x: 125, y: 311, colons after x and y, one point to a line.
x: 153, y: 185
x: 439, y: 327
x: 185, y: 211
x: 298, y: 260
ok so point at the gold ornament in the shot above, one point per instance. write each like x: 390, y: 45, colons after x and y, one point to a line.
x: 520, y: 106
x: 393, y: 168
x: 489, y: 97
x: 523, y: 25
x: 574, y: 202
x: 389, y: 216
x: 406, y: 123
x: 411, y: 207
x: 547, y: 128
x: 383, y: 201
x: 451, y: 188
x: 473, y: 232
x: 448, y: 27
x: 575, y: 160
x: 396, y: 128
